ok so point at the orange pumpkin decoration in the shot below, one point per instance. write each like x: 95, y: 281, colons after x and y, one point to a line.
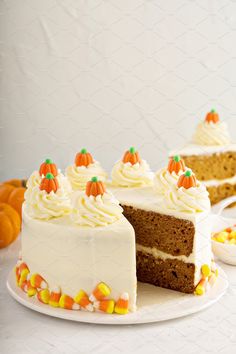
x: 187, y: 180
x: 176, y: 164
x: 131, y: 156
x: 48, y: 167
x: 212, y: 116
x: 95, y: 187
x: 13, y: 196
x: 10, y: 224
x: 83, y: 158
x: 16, y: 182
x: 49, y: 183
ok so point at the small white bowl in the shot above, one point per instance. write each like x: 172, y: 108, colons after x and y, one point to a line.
x: 224, y: 251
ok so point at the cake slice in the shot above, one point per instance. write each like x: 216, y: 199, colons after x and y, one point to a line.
x: 212, y: 157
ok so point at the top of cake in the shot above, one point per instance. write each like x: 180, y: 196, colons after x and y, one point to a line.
x: 83, y: 169
x: 131, y: 171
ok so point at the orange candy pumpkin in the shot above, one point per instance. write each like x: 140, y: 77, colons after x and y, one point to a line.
x: 176, y: 164
x: 49, y: 183
x: 212, y: 116
x: 95, y: 187
x: 83, y: 158
x: 10, y: 224
x: 131, y: 156
x: 48, y: 167
x: 12, y: 195
x: 187, y: 180
x: 16, y: 182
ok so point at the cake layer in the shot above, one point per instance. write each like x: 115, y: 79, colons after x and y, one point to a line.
x: 169, y: 273
x: 216, y: 166
x: 75, y: 257
x: 221, y: 191
x: 168, y: 234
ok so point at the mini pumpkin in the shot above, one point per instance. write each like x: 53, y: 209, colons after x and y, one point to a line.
x: 212, y: 116
x: 48, y: 167
x: 187, y: 180
x: 83, y: 158
x: 10, y: 224
x: 13, y: 196
x: 131, y: 156
x: 49, y: 183
x: 16, y: 182
x: 176, y: 164
x: 95, y: 187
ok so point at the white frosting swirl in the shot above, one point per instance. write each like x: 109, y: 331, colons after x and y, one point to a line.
x: 164, y: 180
x: 42, y: 205
x: 80, y: 175
x: 191, y: 200
x: 211, y: 134
x: 128, y: 175
x: 96, y: 211
x: 35, y: 180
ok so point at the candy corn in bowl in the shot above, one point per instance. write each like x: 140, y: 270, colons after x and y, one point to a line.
x: 224, y: 240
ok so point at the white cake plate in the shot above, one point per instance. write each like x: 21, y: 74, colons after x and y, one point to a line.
x: 154, y: 304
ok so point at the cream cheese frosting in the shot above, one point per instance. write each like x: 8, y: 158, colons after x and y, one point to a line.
x: 190, y: 200
x: 42, y: 205
x: 209, y: 133
x: 128, y: 175
x: 80, y: 175
x: 35, y: 179
x: 164, y: 180
x: 96, y: 211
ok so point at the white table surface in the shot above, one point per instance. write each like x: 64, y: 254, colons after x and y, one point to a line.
x: 23, y: 331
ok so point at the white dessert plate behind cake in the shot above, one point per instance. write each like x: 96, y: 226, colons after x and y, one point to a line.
x: 154, y: 304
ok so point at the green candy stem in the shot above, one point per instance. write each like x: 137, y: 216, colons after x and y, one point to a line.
x: 48, y: 161
x: 176, y: 158
x: 213, y: 110
x: 132, y: 150
x: 49, y: 176
x: 94, y: 179
x: 83, y: 151
x: 188, y: 173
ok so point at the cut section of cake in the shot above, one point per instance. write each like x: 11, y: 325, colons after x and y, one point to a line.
x: 83, y: 169
x: 172, y: 227
x: 85, y: 250
x: 212, y: 157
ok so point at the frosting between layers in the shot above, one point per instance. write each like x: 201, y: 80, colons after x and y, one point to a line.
x: 96, y: 211
x: 197, y: 150
x: 80, y: 175
x: 163, y: 255
x: 164, y: 180
x: 43, y: 205
x: 219, y: 182
x: 211, y: 134
x: 191, y: 200
x: 35, y: 180
x: 128, y: 175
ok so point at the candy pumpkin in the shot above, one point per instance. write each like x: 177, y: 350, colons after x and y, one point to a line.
x: 187, y: 180
x: 48, y: 167
x: 49, y: 183
x: 95, y: 187
x: 131, y: 156
x: 16, y: 182
x: 13, y: 196
x: 83, y: 158
x: 10, y: 224
x: 176, y: 164
x: 212, y: 116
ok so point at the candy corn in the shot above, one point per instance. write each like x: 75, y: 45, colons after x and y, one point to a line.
x: 30, y: 290
x: 23, y: 286
x: 43, y: 296
x: 206, y: 270
x: 122, y: 304
x: 82, y: 299
x: 38, y: 282
x: 22, y: 267
x: 55, y: 297
x: 100, y: 292
x: 66, y: 302
x: 201, y: 287
x: 105, y: 305
x: 23, y: 275
x: 17, y: 274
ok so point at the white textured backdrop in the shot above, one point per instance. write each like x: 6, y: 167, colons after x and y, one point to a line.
x: 107, y: 74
